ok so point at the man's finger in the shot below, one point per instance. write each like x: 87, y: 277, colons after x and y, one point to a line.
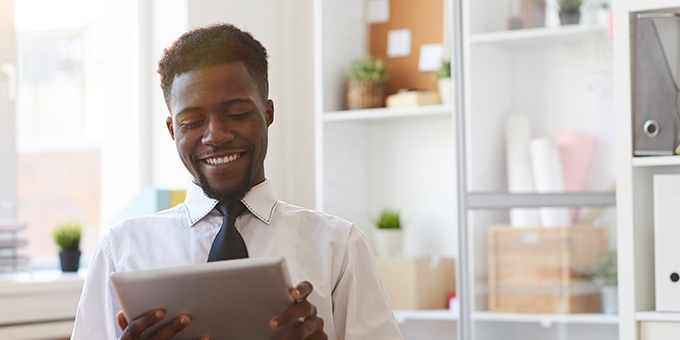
x: 300, y: 310
x: 302, y: 291
x: 168, y: 330
x: 122, y: 322
x: 311, y: 328
x: 135, y: 328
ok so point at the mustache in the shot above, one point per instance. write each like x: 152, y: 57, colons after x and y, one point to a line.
x: 215, y: 149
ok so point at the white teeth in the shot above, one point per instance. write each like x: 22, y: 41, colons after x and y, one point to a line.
x: 221, y: 160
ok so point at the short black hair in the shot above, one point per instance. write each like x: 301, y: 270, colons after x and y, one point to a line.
x: 214, y: 45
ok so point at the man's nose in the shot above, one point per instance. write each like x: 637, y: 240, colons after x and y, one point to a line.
x: 218, y: 131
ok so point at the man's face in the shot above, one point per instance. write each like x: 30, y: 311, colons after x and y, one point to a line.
x: 219, y: 124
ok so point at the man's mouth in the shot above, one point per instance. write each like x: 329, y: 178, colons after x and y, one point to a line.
x: 222, y: 160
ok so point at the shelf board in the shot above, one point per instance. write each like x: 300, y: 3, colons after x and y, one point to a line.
x: 10, y: 244
x: 425, y: 315
x: 657, y: 316
x: 506, y: 200
x: 547, y: 320
x: 655, y: 161
x: 382, y: 113
x: 11, y: 225
x: 538, y: 35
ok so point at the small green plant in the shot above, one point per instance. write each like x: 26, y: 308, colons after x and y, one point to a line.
x: 367, y: 68
x: 569, y: 5
x: 605, y: 272
x: 67, y: 236
x: 389, y: 219
x: 444, y: 71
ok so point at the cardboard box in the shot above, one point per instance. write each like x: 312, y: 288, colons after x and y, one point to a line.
x: 417, y: 283
x: 544, y: 270
x: 412, y: 99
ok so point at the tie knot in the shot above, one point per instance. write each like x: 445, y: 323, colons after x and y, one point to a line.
x: 233, y: 209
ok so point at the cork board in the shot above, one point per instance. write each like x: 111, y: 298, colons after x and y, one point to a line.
x: 425, y: 19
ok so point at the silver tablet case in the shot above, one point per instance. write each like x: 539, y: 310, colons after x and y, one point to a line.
x: 226, y: 300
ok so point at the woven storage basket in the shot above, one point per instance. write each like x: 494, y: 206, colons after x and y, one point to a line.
x: 365, y: 94
x: 544, y: 270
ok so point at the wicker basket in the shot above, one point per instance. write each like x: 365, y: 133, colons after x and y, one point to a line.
x: 544, y: 270
x: 365, y: 94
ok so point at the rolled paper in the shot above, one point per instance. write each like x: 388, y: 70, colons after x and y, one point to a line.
x: 518, y: 167
x: 576, y: 151
x: 548, y: 178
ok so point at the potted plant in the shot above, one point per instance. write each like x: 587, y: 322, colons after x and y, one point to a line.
x: 443, y: 77
x: 605, y: 274
x: 388, y: 236
x: 67, y: 237
x: 570, y: 11
x: 366, y: 86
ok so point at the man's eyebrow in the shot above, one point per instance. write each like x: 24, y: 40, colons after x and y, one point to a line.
x: 227, y: 103
x: 222, y: 105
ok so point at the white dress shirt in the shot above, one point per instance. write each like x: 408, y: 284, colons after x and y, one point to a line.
x: 329, y: 252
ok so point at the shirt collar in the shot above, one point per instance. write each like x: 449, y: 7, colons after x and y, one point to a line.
x: 260, y: 201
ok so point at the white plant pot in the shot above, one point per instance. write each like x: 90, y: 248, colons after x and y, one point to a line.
x: 445, y: 90
x: 610, y: 300
x: 388, y: 242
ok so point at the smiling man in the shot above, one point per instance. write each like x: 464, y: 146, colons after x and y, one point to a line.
x: 215, y: 84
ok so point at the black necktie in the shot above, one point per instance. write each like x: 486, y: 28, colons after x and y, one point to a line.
x: 228, y: 243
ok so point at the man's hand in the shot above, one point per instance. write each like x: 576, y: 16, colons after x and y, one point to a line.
x: 132, y: 330
x: 302, y: 314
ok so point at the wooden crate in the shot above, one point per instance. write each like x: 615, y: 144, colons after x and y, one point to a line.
x: 417, y: 283
x: 544, y: 270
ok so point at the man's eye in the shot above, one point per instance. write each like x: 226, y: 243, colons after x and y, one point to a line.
x: 190, y: 124
x: 238, y: 115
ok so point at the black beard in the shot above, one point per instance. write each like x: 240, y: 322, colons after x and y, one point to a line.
x: 229, y: 195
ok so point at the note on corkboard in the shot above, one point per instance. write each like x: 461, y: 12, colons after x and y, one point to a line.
x: 425, y: 20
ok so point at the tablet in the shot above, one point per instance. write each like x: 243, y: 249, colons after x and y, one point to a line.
x: 232, y: 299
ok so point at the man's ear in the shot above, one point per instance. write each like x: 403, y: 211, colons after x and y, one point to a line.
x: 269, y: 112
x: 168, y: 122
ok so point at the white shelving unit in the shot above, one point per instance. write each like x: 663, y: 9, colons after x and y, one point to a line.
x: 537, y: 72
x: 657, y: 316
x: 408, y: 158
x: 425, y: 315
x: 370, y: 159
x: 638, y: 318
x: 655, y: 161
x: 548, y: 320
x: 385, y: 113
x: 530, y: 36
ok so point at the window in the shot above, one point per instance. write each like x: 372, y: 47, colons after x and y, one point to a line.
x: 59, y: 121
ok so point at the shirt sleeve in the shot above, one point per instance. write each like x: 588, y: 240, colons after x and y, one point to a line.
x: 96, y: 315
x: 361, y: 309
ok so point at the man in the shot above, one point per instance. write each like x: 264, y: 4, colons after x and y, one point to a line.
x: 214, y: 81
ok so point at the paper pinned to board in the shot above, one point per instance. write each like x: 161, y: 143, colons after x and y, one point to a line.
x: 399, y: 43
x: 378, y: 11
x: 430, y: 57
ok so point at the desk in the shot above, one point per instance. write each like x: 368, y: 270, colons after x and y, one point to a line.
x: 39, y: 305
